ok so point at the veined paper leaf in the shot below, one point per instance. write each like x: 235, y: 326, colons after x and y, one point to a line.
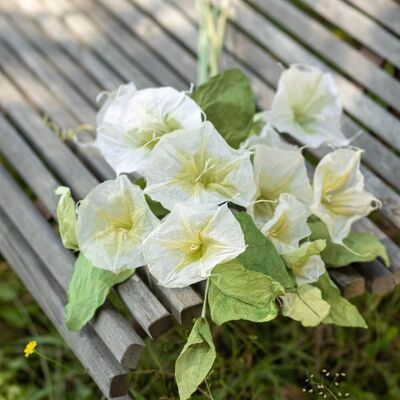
x: 228, y: 103
x: 66, y: 216
x: 305, y: 306
x: 88, y: 290
x: 364, y: 247
x: 237, y: 293
x: 342, y: 312
x: 260, y: 254
x: 195, y: 360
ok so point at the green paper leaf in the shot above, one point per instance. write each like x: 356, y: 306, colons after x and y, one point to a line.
x: 260, y: 254
x: 156, y: 208
x: 342, y: 312
x: 237, y: 293
x: 66, y: 216
x: 364, y: 246
x: 306, y: 306
x: 195, y: 360
x: 88, y: 290
x: 229, y: 103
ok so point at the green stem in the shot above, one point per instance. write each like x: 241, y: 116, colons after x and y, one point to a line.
x: 204, y: 310
x: 50, y: 359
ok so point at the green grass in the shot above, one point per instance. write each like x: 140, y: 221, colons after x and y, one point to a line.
x: 268, y: 361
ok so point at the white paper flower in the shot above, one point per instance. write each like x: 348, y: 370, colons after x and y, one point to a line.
x: 288, y: 225
x: 307, y: 107
x: 131, y: 122
x: 113, y: 221
x: 198, y: 165
x: 190, y: 242
x: 339, y: 195
x: 277, y: 171
x: 270, y: 137
x: 306, y: 262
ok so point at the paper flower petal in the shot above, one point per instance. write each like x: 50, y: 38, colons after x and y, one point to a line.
x: 339, y: 195
x: 277, y: 171
x: 131, y: 122
x: 305, y: 261
x: 190, y: 242
x: 288, y: 225
x: 113, y: 221
x: 198, y: 165
x: 307, y: 107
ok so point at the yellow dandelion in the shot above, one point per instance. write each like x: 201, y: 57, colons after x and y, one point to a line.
x: 30, y: 348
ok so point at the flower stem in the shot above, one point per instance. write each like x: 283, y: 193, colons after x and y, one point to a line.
x: 204, y: 310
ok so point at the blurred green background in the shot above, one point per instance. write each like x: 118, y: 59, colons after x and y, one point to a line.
x: 268, y: 361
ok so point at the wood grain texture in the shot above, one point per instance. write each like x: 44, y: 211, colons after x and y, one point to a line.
x: 350, y: 282
x: 378, y: 279
x: 109, y: 376
x: 387, y: 12
x: 360, y: 27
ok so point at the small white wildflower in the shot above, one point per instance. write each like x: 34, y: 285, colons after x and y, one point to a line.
x: 131, y: 122
x: 307, y: 107
x: 339, y: 195
x: 190, y: 242
x: 198, y: 165
x: 113, y: 221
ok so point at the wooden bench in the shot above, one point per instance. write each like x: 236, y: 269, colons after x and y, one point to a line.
x: 56, y: 56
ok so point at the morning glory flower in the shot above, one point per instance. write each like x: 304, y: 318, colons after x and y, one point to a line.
x: 113, y: 221
x: 307, y: 107
x: 270, y: 137
x: 198, y: 165
x: 277, y: 171
x: 339, y: 195
x: 288, y: 225
x: 306, y: 262
x: 131, y: 122
x: 190, y: 242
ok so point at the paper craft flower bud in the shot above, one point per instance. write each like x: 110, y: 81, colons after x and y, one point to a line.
x: 339, y: 195
x: 113, y: 221
x: 131, y: 122
x: 190, y: 242
x: 288, y: 225
x: 198, y: 165
x: 307, y: 107
x: 277, y: 171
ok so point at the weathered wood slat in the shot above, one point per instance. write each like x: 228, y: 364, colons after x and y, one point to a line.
x: 378, y: 279
x: 47, y: 245
x: 350, y: 282
x: 145, y: 306
x: 387, y: 12
x: 360, y: 27
x: 87, y: 346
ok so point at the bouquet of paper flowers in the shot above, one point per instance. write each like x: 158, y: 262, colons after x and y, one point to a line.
x: 206, y: 189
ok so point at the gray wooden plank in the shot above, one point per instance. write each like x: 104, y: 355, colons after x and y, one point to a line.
x: 86, y: 32
x: 350, y: 282
x: 49, y: 248
x: 132, y: 47
x: 144, y: 306
x: 133, y: 19
x: 378, y: 279
x: 87, y: 346
x: 59, y: 33
x: 387, y: 12
x: 360, y: 27
x: 23, y: 159
x: 283, y: 46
